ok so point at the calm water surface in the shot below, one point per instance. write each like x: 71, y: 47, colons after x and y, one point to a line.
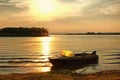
x: 30, y: 54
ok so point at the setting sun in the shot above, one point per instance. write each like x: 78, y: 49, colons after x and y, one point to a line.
x: 45, y: 6
x: 43, y: 9
x: 47, y: 10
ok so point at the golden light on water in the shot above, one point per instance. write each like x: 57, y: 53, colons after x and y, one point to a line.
x: 46, y: 47
x: 45, y: 51
x: 43, y: 69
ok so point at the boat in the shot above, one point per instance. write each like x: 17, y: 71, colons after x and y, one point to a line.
x: 77, y: 59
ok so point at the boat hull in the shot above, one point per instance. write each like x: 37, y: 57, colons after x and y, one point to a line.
x: 74, y: 61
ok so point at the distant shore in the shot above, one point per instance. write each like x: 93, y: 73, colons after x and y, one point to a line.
x: 103, y: 75
x: 88, y: 33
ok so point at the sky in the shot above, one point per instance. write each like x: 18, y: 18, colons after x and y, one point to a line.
x: 60, y: 16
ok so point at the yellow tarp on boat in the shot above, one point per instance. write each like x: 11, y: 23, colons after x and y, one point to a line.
x: 67, y: 53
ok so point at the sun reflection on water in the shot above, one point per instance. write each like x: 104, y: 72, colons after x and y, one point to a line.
x: 46, y: 47
x: 43, y: 69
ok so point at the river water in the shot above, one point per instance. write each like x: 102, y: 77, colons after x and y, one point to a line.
x: 30, y: 54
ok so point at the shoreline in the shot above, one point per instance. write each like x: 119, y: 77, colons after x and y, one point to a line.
x: 102, y: 75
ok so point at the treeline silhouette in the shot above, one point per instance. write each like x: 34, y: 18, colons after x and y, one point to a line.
x: 94, y: 33
x: 89, y: 33
x: 23, y: 31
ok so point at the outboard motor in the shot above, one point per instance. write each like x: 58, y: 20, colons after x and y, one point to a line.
x: 94, y: 52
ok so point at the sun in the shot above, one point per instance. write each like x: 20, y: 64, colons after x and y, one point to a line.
x: 43, y: 9
x: 45, y: 6
x: 47, y: 10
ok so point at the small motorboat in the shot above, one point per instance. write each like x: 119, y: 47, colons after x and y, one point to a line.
x: 77, y: 59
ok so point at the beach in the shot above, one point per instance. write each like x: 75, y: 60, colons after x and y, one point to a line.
x: 103, y: 75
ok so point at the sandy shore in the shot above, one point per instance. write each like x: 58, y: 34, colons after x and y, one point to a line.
x: 103, y: 75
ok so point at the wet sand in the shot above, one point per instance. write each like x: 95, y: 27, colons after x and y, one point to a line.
x: 103, y: 75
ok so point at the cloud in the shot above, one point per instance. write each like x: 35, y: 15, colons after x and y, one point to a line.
x: 98, y: 8
x: 111, y: 9
x: 102, y: 7
x: 91, y: 11
x: 94, y: 7
x: 19, y: 3
x: 74, y: 8
x: 4, y: 1
x: 69, y: 1
x: 11, y: 6
x: 13, y: 9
